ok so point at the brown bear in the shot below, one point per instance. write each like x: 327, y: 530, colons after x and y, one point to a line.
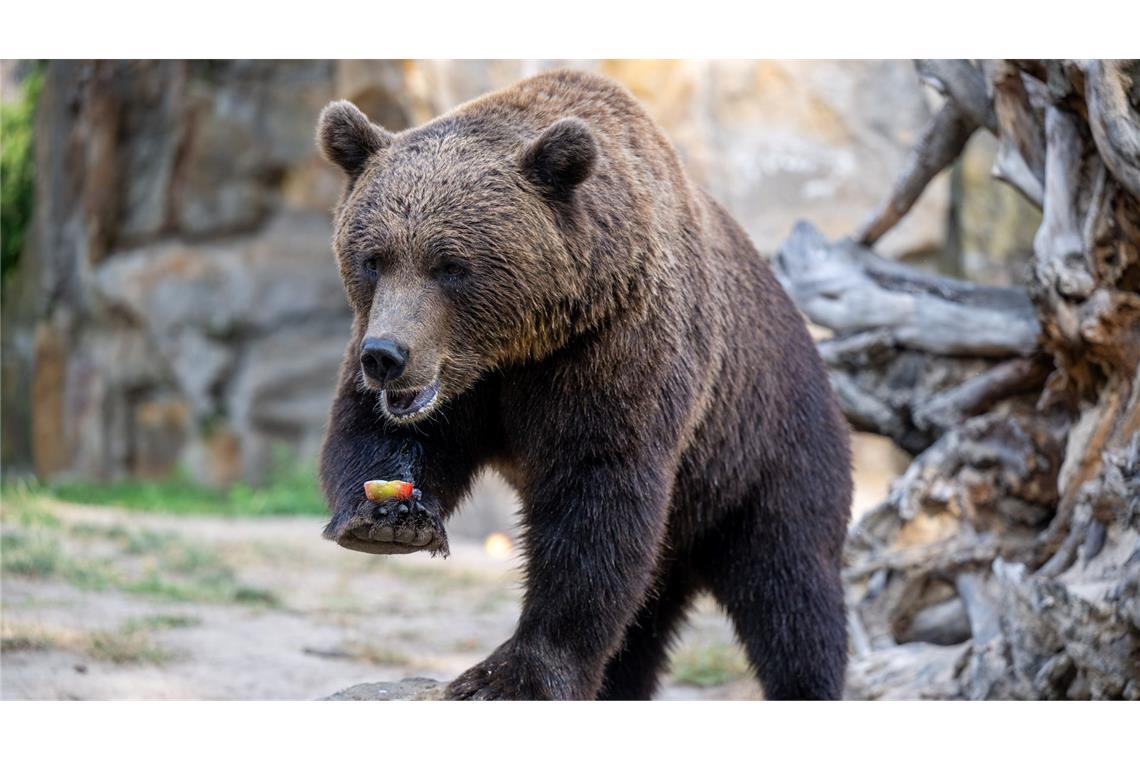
x: 539, y: 288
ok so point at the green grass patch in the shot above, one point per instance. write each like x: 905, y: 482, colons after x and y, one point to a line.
x: 30, y: 554
x: 442, y: 577
x: 377, y: 654
x: 217, y: 588
x: 709, y: 665
x: 161, y: 622
x: 22, y: 503
x: 26, y: 639
x: 257, y: 597
x: 39, y: 554
x: 148, y: 563
x: 290, y: 490
x: 130, y: 644
x: 91, y: 574
x: 127, y: 646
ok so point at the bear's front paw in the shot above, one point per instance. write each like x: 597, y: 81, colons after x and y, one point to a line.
x: 395, y: 527
x: 517, y: 672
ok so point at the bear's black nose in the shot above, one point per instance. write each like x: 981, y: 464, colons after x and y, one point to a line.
x: 383, y: 359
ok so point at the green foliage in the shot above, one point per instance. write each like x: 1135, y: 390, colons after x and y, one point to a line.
x: 17, y: 171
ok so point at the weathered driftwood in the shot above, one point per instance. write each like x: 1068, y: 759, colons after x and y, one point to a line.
x: 849, y: 288
x: 964, y: 84
x: 1115, y: 124
x: 1005, y: 563
x: 1021, y: 136
x: 915, y: 353
x: 940, y: 143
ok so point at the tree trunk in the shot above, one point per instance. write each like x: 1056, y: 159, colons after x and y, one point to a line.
x: 1005, y: 563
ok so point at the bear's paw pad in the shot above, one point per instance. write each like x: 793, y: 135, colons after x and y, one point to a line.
x: 396, y: 527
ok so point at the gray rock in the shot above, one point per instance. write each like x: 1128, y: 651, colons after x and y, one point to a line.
x: 153, y: 122
x: 209, y: 308
x: 254, y: 121
x: 407, y: 690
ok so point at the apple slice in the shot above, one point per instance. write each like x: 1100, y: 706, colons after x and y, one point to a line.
x: 384, y: 490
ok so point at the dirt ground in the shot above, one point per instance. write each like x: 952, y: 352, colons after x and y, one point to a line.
x: 99, y: 603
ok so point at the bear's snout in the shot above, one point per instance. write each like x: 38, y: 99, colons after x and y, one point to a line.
x: 383, y: 359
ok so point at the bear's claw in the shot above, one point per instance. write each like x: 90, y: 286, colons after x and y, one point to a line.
x: 386, y: 530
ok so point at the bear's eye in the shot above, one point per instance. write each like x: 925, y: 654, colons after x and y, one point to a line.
x: 451, y: 269
x: 371, y: 267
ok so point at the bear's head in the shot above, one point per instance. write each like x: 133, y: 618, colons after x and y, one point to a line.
x: 456, y: 247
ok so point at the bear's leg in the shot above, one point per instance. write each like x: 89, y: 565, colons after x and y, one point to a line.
x: 633, y: 671
x: 779, y: 581
x: 591, y: 557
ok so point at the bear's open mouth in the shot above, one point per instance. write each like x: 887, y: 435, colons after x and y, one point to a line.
x: 406, y: 403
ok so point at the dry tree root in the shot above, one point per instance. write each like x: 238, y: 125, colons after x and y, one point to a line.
x: 1005, y: 562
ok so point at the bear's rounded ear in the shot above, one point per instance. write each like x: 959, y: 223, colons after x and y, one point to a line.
x: 347, y: 138
x: 562, y: 157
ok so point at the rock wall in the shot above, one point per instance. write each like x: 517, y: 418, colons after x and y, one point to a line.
x: 179, y: 304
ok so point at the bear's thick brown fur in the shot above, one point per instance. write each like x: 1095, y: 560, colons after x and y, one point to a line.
x: 539, y: 288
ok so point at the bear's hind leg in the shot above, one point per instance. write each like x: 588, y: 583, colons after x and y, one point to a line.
x: 634, y: 670
x: 781, y: 587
